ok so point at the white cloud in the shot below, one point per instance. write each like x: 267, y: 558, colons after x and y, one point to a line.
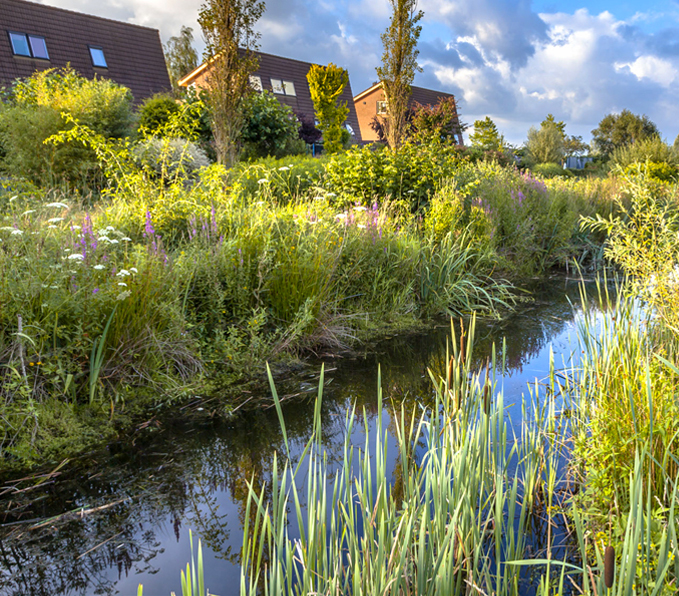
x: 653, y: 68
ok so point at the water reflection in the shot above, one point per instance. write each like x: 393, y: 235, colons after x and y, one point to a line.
x: 123, y: 518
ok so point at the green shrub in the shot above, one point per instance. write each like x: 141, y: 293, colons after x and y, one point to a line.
x: 155, y: 113
x: 549, y: 170
x: 35, y: 114
x: 271, y: 129
x: 170, y: 157
x: 409, y: 174
x: 653, y: 150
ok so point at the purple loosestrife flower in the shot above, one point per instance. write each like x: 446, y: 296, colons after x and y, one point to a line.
x: 213, y: 220
x: 95, y: 291
x: 148, y: 228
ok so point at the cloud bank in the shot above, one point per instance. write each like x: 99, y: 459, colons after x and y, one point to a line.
x: 501, y: 58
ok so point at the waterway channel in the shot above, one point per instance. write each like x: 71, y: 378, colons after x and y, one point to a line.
x: 122, y: 517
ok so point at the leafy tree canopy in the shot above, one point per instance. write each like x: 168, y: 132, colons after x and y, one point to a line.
x: 486, y: 135
x: 618, y: 130
x: 326, y: 84
x: 270, y: 127
x: 180, y: 56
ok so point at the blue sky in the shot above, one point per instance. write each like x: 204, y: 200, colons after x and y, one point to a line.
x: 513, y: 60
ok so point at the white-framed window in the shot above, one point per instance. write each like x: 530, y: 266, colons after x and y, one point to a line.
x: 256, y: 83
x: 277, y: 86
x: 381, y: 107
x: 350, y: 129
x: 98, y: 58
x: 289, y: 88
x: 31, y: 46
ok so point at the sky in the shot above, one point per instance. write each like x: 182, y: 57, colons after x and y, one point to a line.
x: 513, y: 60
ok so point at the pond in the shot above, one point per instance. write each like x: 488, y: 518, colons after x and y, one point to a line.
x: 122, y: 517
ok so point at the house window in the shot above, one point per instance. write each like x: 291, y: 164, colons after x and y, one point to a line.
x: 381, y: 107
x: 31, y: 46
x: 98, y: 58
x: 256, y: 83
x: 350, y: 129
x: 277, y: 86
x: 289, y: 88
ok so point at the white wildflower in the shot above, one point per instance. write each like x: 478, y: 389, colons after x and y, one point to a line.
x: 51, y: 227
x: 75, y: 227
x: 126, y: 239
x: 67, y: 250
x: 55, y: 220
x: 283, y: 169
x: 114, y: 241
x: 76, y: 256
x: 110, y: 229
x: 341, y: 216
x: 17, y: 232
x: 361, y: 226
x: 14, y: 198
x: 122, y: 283
x: 57, y: 205
x: 313, y: 223
x: 99, y: 267
x: 262, y: 181
x: 103, y: 239
x: 123, y: 295
x: 331, y: 194
x: 123, y: 273
x: 54, y: 287
x: 28, y: 212
x: 259, y: 203
x: 134, y: 270
x: 8, y: 229
x: 360, y: 208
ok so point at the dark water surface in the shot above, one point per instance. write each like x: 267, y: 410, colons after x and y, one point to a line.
x: 124, y: 518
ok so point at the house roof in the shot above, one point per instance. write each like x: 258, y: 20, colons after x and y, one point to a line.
x: 418, y: 94
x: 287, y: 69
x: 134, y: 54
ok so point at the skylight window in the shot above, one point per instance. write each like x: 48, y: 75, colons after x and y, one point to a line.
x: 98, y: 58
x: 31, y: 46
x: 283, y: 87
x: 289, y: 88
x: 256, y: 82
x: 277, y: 86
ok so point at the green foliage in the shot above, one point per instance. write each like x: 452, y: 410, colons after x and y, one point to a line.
x: 36, y: 113
x: 549, y: 170
x: 271, y: 129
x: 326, y: 84
x: 663, y: 160
x: 180, y: 56
x: 545, y: 145
x: 486, y: 135
x: 409, y: 174
x: 156, y: 112
x: 619, y: 130
x: 169, y: 157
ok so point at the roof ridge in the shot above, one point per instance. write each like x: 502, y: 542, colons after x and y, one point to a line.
x: 92, y: 16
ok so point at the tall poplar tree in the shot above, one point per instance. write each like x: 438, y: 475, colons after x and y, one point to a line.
x: 399, y: 65
x: 230, y: 39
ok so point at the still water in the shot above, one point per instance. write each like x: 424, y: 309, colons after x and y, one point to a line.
x: 123, y: 517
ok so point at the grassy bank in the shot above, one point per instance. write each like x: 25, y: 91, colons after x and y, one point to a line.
x: 175, y: 279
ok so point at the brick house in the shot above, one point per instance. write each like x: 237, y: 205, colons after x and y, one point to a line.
x: 286, y: 79
x: 371, y: 103
x: 37, y: 37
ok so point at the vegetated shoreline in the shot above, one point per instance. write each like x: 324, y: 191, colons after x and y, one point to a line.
x: 133, y: 303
